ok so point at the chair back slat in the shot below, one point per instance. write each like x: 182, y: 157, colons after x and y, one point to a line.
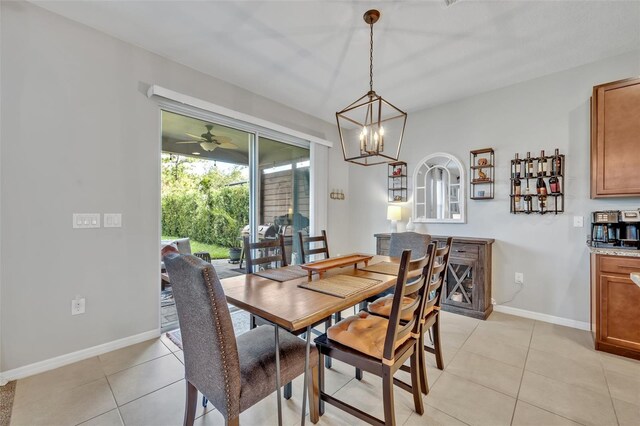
x: 273, y: 251
x: 306, y: 250
x: 315, y: 251
x: 437, y: 268
x: 211, y: 361
x: 404, y: 329
x: 437, y: 278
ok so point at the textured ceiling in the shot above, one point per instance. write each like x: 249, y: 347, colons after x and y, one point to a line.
x: 313, y: 55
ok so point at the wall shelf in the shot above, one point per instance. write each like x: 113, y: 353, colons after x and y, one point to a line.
x: 397, y: 186
x: 482, y: 166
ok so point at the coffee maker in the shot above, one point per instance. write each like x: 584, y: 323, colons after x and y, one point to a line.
x: 630, y: 229
x: 605, y: 230
x: 614, y: 228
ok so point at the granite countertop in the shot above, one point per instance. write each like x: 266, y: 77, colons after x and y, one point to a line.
x: 615, y: 251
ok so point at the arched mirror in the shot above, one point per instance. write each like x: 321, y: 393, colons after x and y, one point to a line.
x: 438, y: 189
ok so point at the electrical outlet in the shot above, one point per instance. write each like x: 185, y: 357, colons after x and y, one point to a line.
x: 77, y: 305
x: 519, y: 278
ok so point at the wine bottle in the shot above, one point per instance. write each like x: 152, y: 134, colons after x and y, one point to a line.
x: 517, y: 167
x: 529, y: 165
x: 543, y: 165
x: 542, y: 203
x: 517, y: 188
x: 541, y: 187
x: 554, y: 185
x: 528, y: 205
x: 557, y: 163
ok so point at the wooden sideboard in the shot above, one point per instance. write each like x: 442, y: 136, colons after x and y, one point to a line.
x: 615, y: 127
x: 615, y: 299
x: 468, y: 277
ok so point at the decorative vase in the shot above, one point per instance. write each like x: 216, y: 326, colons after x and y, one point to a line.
x: 410, y: 225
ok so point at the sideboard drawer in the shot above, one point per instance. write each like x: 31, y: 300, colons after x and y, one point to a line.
x: 619, y: 264
x: 469, y: 251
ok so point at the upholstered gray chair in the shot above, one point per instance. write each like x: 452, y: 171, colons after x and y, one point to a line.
x: 233, y: 373
x: 417, y: 243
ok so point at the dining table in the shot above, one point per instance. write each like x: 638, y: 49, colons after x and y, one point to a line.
x: 296, y: 309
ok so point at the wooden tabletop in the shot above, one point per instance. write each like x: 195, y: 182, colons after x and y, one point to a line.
x: 294, y: 308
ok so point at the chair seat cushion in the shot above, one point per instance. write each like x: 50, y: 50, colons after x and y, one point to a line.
x: 363, y: 332
x: 256, y: 351
x: 382, y: 307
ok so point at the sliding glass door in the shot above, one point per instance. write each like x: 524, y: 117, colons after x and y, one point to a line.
x: 283, y: 190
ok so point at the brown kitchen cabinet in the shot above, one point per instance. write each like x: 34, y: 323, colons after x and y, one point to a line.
x: 468, y: 278
x: 615, y: 139
x: 615, y: 305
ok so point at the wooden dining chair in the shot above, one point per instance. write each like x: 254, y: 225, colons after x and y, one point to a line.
x: 431, y: 320
x: 306, y: 241
x: 416, y: 242
x: 268, y: 252
x: 432, y: 309
x: 305, y: 255
x: 380, y: 345
x: 234, y: 373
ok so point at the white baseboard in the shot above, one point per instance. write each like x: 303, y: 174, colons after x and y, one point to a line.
x: 62, y: 360
x: 581, y: 325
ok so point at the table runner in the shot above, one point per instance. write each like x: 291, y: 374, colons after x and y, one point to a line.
x: 340, y: 285
x: 387, y: 268
x: 282, y: 274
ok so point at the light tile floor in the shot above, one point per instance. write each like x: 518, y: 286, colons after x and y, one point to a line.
x: 506, y: 370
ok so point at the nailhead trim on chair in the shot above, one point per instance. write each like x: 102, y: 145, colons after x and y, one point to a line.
x: 222, y: 339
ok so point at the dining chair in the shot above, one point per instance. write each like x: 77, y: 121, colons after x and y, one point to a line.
x: 432, y: 309
x: 234, y: 373
x: 382, y: 345
x: 269, y: 252
x: 306, y: 240
x: 305, y: 256
x: 417, y: 243
x: 431, y: 320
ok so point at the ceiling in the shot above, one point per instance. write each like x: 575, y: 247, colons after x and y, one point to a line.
x: 313, y: 55
x: 271, y: 153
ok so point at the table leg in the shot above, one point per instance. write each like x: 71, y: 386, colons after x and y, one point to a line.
x: 306, y: 376
x: 276, y: 328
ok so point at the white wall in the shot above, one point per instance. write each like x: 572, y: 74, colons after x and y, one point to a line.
x: 80, y: 135
x: 545, y: 113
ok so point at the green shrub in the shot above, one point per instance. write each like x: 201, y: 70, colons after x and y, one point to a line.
x: 209, y: 212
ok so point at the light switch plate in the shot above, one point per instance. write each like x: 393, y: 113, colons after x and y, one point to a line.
x: 86, y: 220
x: 113, y: 220
x: 578, y: 221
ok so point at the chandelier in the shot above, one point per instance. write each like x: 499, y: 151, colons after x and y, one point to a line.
x: 371, y: 125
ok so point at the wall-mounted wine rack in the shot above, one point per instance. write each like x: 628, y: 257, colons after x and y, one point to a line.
x: 537, y: 184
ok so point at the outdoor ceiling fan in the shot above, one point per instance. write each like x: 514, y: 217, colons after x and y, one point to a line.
x: 208, y: 141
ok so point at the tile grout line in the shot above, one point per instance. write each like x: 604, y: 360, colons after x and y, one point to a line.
x: 136, y: 365
x: 606, y: 380
x: 534, y: 405
x: 146, y: 394
x: 524, y: 368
